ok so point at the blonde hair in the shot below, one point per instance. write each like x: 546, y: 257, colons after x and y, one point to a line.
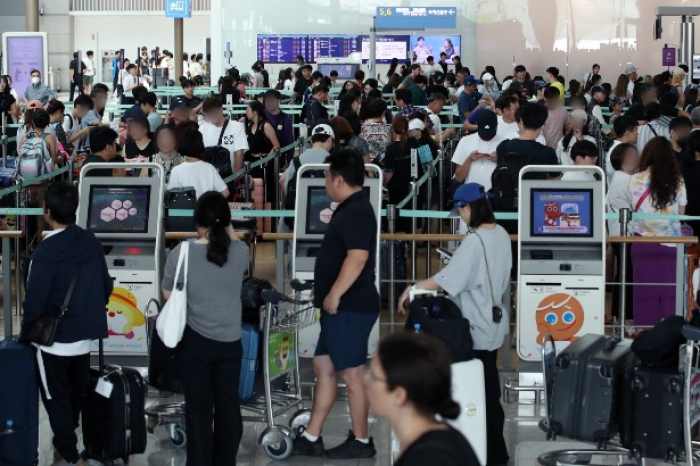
x: 678, y: 79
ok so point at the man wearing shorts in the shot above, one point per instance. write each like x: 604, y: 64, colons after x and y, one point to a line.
x: 345, y: 290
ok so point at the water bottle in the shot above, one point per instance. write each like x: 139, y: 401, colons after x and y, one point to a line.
x: 416, y: 329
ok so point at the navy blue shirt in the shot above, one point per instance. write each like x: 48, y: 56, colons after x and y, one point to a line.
x: 467, y: 103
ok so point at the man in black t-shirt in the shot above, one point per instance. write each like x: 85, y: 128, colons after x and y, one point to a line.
x: 521, y: 83
x: 103, y: 144
x: 346, y: 293
x: 76, y: 75
x: 302, y: 83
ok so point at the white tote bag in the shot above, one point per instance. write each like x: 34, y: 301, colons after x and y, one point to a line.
x: 172, y: 320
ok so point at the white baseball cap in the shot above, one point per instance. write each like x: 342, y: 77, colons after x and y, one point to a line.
x: 416, y: 124
x: 487, y: 77
x: 322, y: 129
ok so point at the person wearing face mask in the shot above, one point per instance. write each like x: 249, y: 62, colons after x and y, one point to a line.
x: 38, y: 91
x: 489, y: 86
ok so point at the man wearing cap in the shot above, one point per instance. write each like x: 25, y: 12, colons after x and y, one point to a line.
x: 470, y: 100
x: 477, y: 277
x: 475, y: 155
x: 631, y: 73
x: 489, y: 86
x: 540, y: 86
x: 521, y: 83
x: 303, y: 82
x: 279, y: 120
x: 322, y: 137
x: 552, y: 77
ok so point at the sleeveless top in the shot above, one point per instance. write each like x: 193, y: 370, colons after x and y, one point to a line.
x: 258, y: 143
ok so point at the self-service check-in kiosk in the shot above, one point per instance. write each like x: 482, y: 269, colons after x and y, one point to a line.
x: 126, y: 216
x: 313, y: 214
x: 561, y: 259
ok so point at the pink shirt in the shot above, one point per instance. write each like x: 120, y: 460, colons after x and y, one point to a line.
x: 554, y: 126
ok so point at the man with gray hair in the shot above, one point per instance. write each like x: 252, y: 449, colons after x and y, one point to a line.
x: 695, y: 118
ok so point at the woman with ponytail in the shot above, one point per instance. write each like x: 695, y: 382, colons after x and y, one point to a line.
x: 211, y: 349
x: 409, y: 382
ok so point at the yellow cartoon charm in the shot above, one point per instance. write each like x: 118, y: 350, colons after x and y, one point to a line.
x: 122, y: 313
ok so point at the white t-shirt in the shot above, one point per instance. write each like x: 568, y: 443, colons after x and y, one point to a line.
x: 234, y: 137
x: 617, y: 199
x: 198, y: 69
x: 466, y: 280
x: 509, y: 131
x: 564, y: 156
x: 577, y: 176
x: 89, y: 67
x: 129, y: 82
x: 71, y: 124
x: 437, y: 125
x: 202, y: 176
x: 288, y: 85
x: 481, y: 169
x: 609, y: 170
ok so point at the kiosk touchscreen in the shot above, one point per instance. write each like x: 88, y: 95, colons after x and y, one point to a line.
x: 314, y: 211
x: 126, y: 216
x: 561, y: 261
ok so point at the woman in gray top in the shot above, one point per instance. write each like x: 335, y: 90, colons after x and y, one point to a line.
x: 211, y: 349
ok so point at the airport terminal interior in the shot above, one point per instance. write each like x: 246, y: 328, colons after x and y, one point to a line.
x: 362, y: 232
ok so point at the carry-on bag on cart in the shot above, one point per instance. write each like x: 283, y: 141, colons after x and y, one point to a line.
x: 589, y: 381
x: 19, y: 404
x: 250, y: 338
x: 655, y: 421
x: 114, y: 419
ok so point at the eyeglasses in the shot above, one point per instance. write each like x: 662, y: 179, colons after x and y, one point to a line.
x: 371, y: 376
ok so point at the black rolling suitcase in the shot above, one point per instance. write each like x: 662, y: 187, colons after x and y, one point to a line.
x: 656, y: 419
x: 114, y: 427
x: 589, y: 382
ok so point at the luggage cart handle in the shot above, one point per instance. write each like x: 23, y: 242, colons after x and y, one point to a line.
x: 301, y: 285
x: 275, y: 297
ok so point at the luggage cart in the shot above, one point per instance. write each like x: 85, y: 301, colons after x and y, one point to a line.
x: 689, y: 370
x: 281, y: 319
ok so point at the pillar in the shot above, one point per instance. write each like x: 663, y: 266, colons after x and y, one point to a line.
x: 687, y: 46
x: 178, y: 49
x: 31, y: 23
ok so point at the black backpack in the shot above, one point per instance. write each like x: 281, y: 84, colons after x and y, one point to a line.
x: 291, y: 199
x: 219, y: 156
x: 505, y: 181
x: 660, y: 344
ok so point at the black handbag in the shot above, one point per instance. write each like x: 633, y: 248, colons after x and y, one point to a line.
x: 441, y: 317
x: 43, y: 330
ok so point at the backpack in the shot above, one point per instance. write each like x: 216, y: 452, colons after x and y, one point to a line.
x: 291, y: 199
x: 219, y: 156
x: 660, y: 345
x: 505, y: 182
x: 34, y: 157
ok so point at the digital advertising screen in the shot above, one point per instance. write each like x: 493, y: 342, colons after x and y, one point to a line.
x: 562, y: 213
x: 282, y: 48
x: 388, y: 47
x: 319, y: 210
x: 329, y: 46
x: 345, y: 71
x: 118, y: 209
x: 424, y: 46
x: 24, y: 54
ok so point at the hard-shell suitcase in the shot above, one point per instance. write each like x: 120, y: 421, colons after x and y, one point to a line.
x: 468, y: 389
x: 589, y: 381
x: 19, y: 404
x: 114, y: 427
x: 656, y: 416
x: 250, y: 339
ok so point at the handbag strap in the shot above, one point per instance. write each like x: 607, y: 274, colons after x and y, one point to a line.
x: 488, y: 272
x: 69, y: 294
x: 641, y: 200
x: 182, y: 262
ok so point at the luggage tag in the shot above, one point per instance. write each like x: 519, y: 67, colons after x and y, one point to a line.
x: 414, y: 164
x: 104, y: 387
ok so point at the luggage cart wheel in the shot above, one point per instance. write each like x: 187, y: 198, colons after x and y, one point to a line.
x: 277, y: 443
x: 300, y: 419
x: 178, y: 435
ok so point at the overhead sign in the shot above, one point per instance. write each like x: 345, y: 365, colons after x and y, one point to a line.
x: 433, y: 17
x: 669, y: 57
x: 178, y: 8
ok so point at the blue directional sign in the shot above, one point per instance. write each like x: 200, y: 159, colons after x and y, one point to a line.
x: 178, y: 8
x: 434, y: 17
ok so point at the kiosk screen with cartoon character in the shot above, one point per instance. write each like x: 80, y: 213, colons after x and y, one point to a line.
x: 320, y: 210
x: 562, y: 213
x: 119, y: 209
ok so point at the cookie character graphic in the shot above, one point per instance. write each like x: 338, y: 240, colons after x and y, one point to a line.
x: 551, y: 214
x: 560, y: 315
x: 282, y: 354
x: 122, y: 314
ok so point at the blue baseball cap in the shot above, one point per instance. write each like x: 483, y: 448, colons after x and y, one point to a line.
x: 466, y: 194
x: 471, y: 81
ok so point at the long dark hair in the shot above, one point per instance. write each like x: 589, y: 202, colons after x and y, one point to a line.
x: 621, y: 87
x: 259, y: 109
x: 659, y: 158
x: 419, y: 364
x: 482, y: 212
x: 346, y: 102
x: 567, y: 137
x: 212, y: 212
x: 392, y: 67
x: 6, y: 79
x: 399, y: 127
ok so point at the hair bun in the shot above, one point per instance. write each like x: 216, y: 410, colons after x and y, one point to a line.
x: 450, y: 410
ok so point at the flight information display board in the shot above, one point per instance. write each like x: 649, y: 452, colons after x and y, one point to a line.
x: 282, y: 48
x: 332, y: 46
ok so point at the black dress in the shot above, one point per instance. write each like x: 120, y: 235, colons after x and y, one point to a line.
x: 260, y: 146
x: 445, y: 447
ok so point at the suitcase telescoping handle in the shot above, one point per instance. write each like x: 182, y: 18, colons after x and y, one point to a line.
x: 101, y: 356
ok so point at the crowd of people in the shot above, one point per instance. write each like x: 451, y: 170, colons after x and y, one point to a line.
x: 644, y: 128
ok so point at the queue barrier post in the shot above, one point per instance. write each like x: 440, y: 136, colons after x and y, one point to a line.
x: 391, y: 220
x: 625, y: 217
x: 18, y: 280
x: 441, y: 182
x: 278, y: 189
x: 246, y: 178
x: 6, y: 286
x: 428, y: 222
x: 414, y: 222
x: 3, y: 140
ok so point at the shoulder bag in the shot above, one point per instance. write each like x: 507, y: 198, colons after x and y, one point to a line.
x: 43, y: 330
x: 172, y: 320
x: 495, y: 309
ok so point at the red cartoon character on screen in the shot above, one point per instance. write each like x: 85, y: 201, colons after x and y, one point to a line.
x: 552, y: 213
x: 560, y: 315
